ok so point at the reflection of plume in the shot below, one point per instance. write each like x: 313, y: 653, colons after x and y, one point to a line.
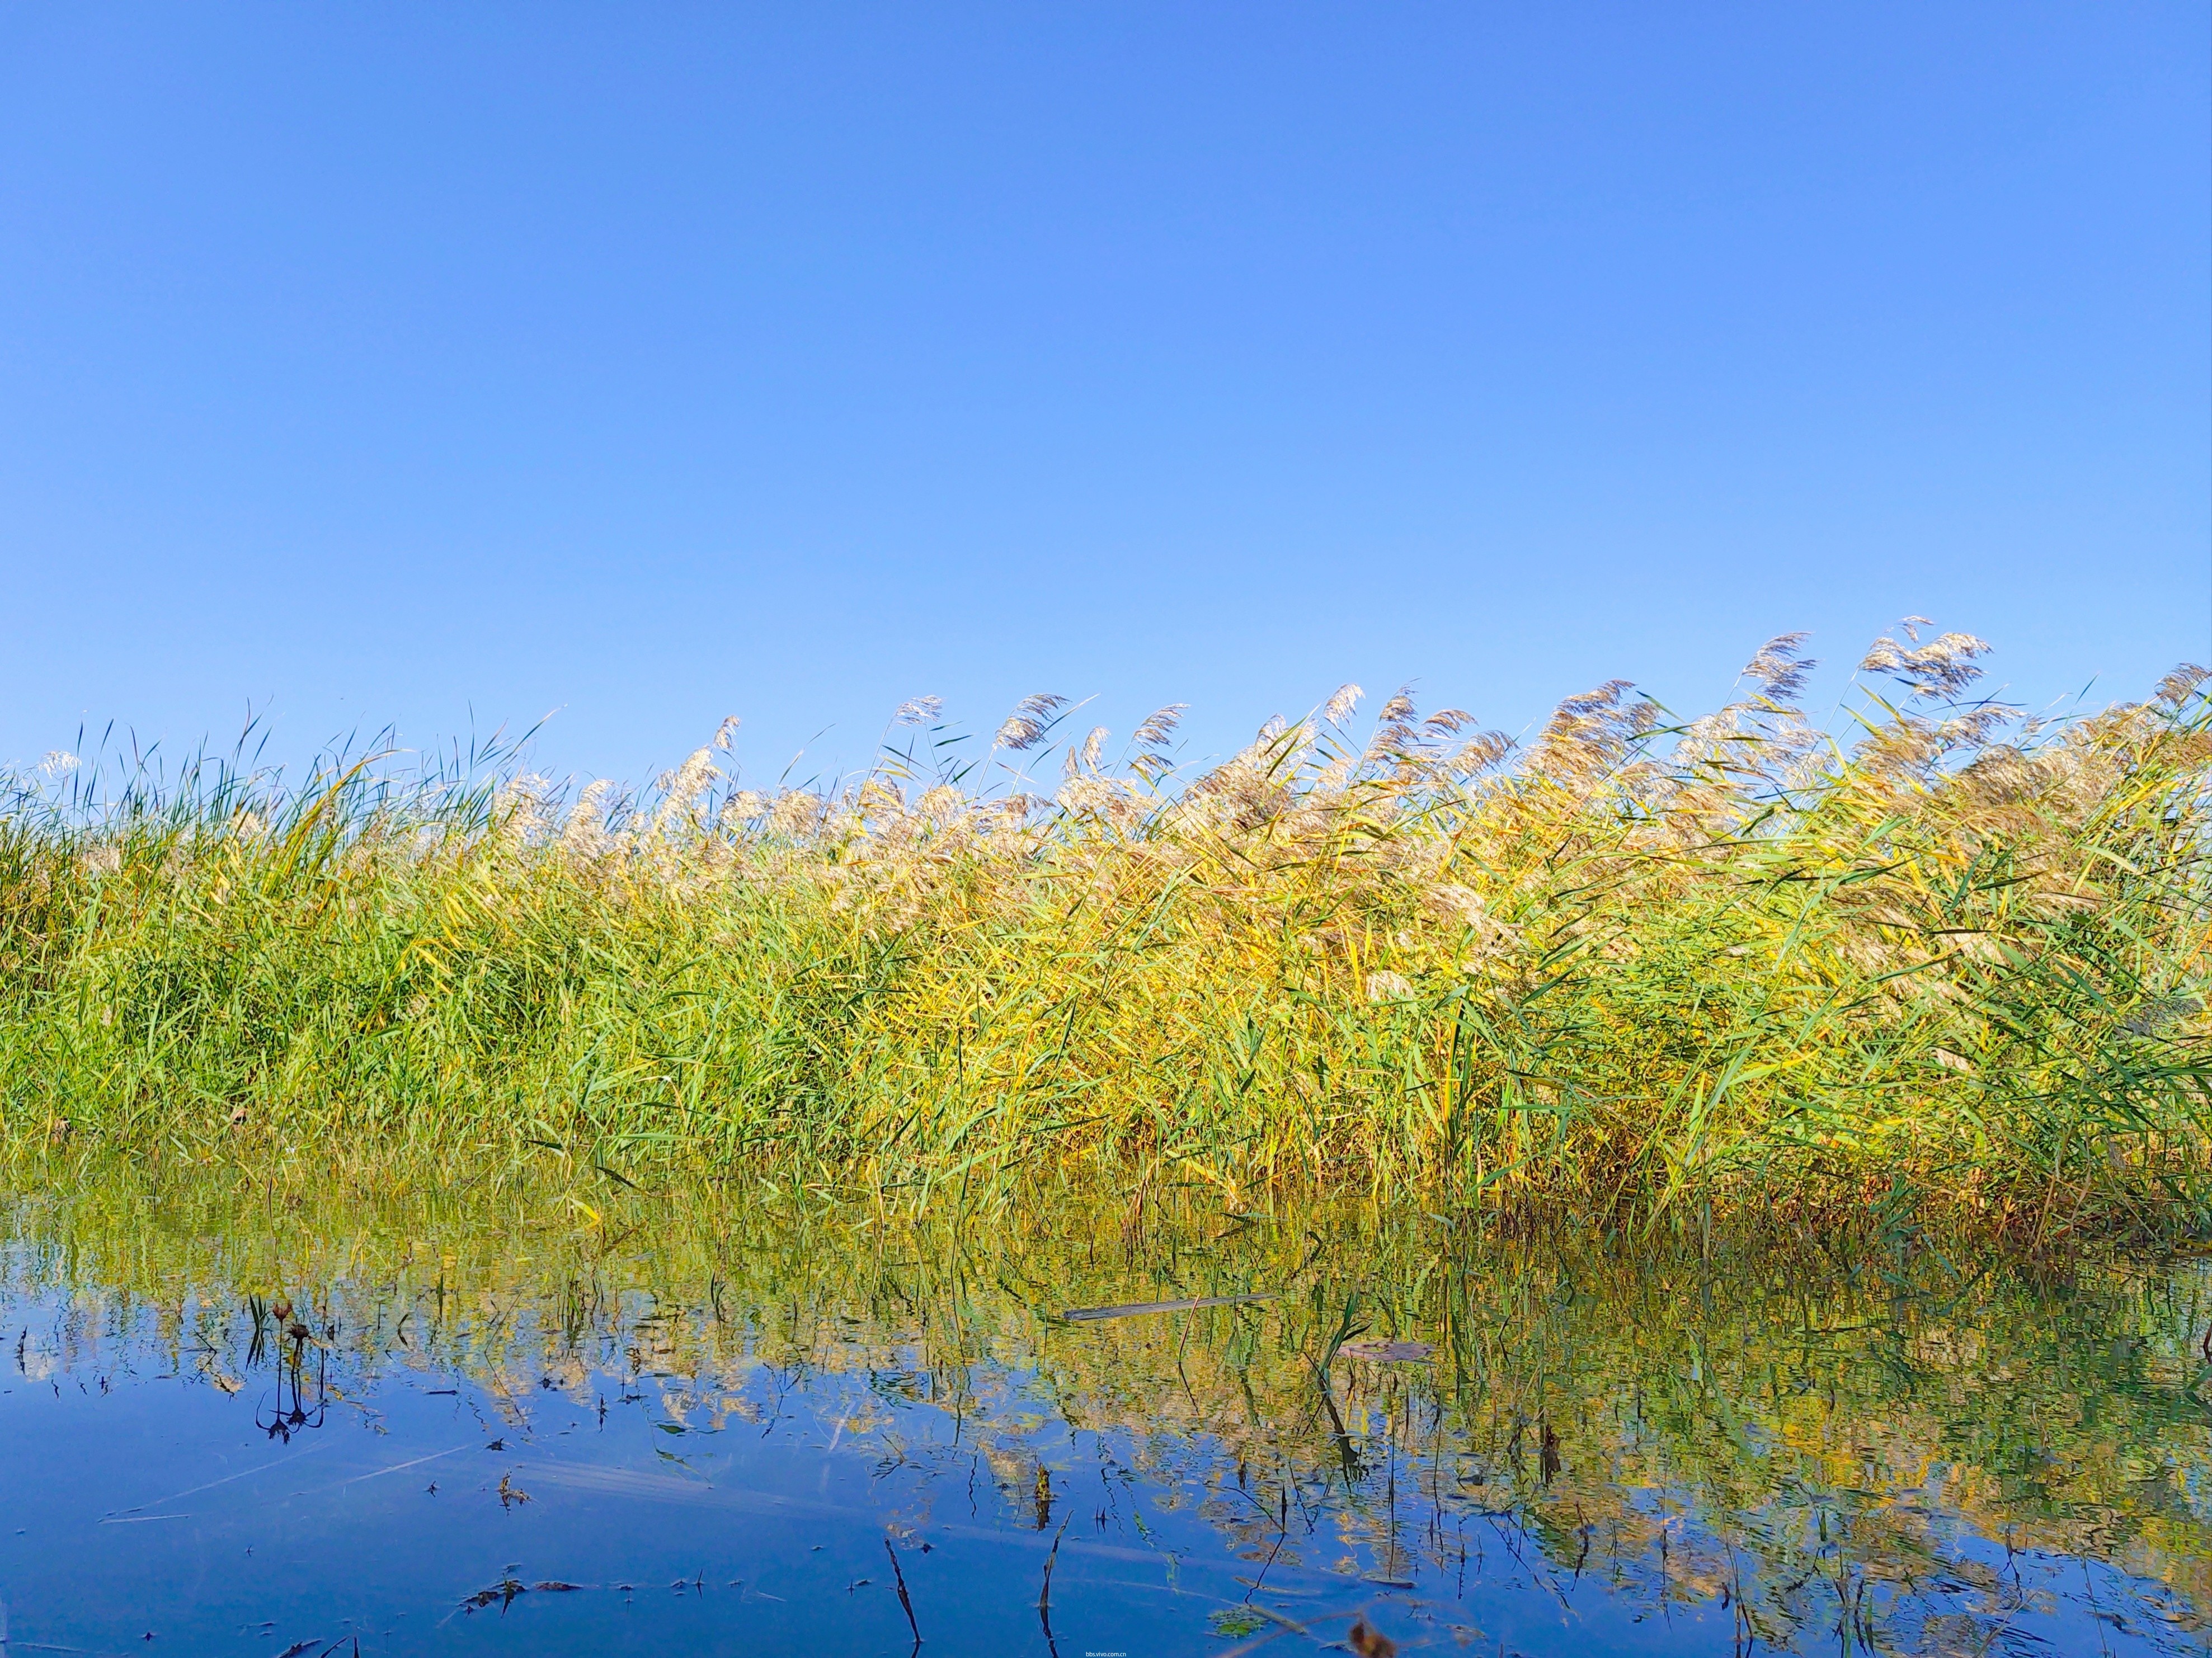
x: 931, y: 1362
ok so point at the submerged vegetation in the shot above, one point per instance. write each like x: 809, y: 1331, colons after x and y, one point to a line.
x: 1948, y: 967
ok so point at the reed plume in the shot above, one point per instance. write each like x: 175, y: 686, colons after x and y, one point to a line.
x: 1637, y: 970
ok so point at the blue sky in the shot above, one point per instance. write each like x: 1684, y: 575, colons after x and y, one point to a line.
x: 445, y: 366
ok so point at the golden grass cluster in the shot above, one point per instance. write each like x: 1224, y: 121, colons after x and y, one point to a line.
x: 1952, y: 962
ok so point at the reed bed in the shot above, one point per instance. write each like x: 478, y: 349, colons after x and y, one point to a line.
x: 1944, y: 964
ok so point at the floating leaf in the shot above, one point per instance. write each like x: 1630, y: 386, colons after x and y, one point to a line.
x: 1231, y: 1621
x: 1389, y: 1352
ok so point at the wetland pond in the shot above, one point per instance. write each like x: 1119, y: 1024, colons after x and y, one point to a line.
x: 236, y: 1422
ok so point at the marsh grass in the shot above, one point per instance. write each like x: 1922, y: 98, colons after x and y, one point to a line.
x: 1945, y: 964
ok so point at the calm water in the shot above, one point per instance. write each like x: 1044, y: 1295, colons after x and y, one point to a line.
x: 603, y: 1423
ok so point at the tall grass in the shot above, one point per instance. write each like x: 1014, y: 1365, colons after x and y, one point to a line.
x: 1950, y: 963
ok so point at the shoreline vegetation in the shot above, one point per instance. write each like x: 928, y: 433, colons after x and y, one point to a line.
x: 1945, y: 966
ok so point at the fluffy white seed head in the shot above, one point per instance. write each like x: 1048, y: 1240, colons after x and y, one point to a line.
x: 1159, y: 726
x: 1031, y: 719
x: 1943, y: 667
x: 1781, y: 667
x: 585, y: 834
x: 683, y: 787
x: 2177, y: 687
x: 1084, y: 756
x: 1388, y: 986
x: 796, y: 814
x: 942, y: 806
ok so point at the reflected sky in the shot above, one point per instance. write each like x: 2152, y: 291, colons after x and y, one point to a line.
x: 549, y: 1420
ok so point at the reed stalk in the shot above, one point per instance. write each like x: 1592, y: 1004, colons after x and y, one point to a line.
x: 1949, y: 964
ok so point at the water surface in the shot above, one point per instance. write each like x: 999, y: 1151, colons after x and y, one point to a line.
x: 602, y: 1421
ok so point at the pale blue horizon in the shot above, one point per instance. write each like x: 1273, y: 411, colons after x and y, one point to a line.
x: 444, y: 367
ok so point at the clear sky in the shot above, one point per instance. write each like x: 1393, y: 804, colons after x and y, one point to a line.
x: 445, y: 365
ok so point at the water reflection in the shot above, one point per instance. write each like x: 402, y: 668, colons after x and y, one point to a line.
x: 696, y: 1419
